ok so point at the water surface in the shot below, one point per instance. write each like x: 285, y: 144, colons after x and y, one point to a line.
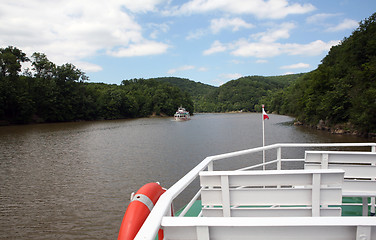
x: 74, y: 180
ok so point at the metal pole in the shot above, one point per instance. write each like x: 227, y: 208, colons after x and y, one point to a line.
x: 263, y: 137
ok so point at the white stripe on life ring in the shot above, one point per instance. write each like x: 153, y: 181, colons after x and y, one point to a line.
x: 144, y: 199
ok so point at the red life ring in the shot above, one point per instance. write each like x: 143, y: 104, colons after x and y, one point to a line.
x: 138, y: 210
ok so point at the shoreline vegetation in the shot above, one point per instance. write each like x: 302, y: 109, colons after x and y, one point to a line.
x: 339, y: 96
x: 338, y: 129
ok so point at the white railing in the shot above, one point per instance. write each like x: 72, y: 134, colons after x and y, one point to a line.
x: 152, y: 224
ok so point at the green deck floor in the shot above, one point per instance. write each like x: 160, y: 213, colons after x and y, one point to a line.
x: 347, y: 210
x: 353, y: 210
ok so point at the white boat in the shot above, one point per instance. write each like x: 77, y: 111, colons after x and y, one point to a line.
x: 182, y: 114
x: 317, y: 201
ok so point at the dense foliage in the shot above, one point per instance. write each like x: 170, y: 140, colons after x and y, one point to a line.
x: 342, y: 90
x: 195, y: 89
x: 51, y: 93
x: 243, y: 94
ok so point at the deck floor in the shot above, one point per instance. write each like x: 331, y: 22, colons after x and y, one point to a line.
x: 347, y: 210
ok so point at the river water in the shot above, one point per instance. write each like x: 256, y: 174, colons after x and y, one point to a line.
x: 74, y: 180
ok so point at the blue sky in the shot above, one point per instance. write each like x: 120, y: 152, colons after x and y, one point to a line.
x: 208, y: 41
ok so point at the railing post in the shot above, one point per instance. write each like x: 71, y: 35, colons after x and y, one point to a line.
x: 211, y: 166
x: 316, y: 187
x: 363, y: 232
x: 225, y: 196
x: 279, y: 158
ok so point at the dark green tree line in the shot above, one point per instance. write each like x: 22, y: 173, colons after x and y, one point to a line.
x: 51, y: 93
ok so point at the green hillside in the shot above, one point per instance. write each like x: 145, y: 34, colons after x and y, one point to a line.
x: 243, y: 94
x: 198, y: 91
x: 341, y: 92
x: 195, y: 89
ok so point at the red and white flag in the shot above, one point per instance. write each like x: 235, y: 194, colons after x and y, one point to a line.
x: 264, y: 115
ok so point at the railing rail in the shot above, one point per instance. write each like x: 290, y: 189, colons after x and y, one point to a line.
x: 152, y: 224
x: 189, y: 205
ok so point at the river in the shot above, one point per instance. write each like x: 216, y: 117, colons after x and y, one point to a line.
x: 74, y: 180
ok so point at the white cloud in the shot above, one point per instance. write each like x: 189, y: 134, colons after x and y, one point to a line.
x: 344, y: 25
x: 295, y: 66
x: 182, y: 68
x: 140, y: 49
x: 244, y: 48
x: 265, y: 45
x: 69, y: 31
x: 197, y: 34
x: 216, y: 47
x: 231, y: 76
x: 320, y: 18
x: 271, y: 35
x: 272, y: 9
x: 88, y: 67
x: 141, y: 5
x: 158, y: 29
x: 216, y: 25
x: 314, y: 48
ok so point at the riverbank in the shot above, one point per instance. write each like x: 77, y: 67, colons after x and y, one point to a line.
x: 338, y: 129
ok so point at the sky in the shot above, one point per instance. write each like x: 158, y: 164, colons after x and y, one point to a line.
x: 208, y: 41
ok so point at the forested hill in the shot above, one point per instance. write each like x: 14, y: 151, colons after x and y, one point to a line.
x: 195, y: 89
x: 342, y: 90
x: 243, y: 94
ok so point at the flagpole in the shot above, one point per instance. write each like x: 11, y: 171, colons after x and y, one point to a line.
x: 263, y: 138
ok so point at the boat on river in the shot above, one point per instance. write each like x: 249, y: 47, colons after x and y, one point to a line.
x: 182, y: 114
x: 327, y: 193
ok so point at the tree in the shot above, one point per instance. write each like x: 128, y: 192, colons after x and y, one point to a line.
x: 69, y: 73
x: 43, y: 67
x: 15, y: 102
x: 10, y: 61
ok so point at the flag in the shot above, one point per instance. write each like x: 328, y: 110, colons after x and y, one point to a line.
x: 264, y: 115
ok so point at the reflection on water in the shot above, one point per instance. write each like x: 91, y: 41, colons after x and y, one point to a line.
x: 74, y: 180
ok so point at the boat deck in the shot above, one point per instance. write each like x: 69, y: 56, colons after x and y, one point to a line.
x: 347, y: 210
x: 331, y: 197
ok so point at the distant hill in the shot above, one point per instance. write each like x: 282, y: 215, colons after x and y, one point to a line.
x: 194, y: 89
x: 243, y: 94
